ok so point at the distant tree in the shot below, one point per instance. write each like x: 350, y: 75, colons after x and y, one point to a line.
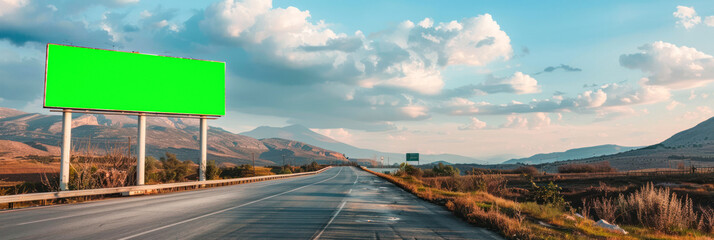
x: 445, y: 170
x: 174, y: 169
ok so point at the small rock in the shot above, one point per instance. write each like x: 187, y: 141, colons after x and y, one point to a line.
x: 613, y: 227
x: 568, y: 217
x: 578, y: 215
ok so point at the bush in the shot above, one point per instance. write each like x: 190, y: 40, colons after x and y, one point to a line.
x: 443, y: 171
x: 408, y: 170
x: 174, y: 170
x: 526, y: 170
x: 212, y: 170
x: 244, y: 170
x: 491, y: 183
x: 586, y: 168
x: 548, y: 194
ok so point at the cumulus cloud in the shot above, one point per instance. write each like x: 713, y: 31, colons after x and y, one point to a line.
x: 34, y: 21
x: 348, y: 75
x: 10, y: 6
x: 518, y: 83
x: 535, y: 121
x: 709, y: 21
x: 473, y: 125
x: 407, y: 56
x: 687, y: 17
x: 672, y: 66
x: 339, y: 134
x: 606, y: 96
x: 672, y: 105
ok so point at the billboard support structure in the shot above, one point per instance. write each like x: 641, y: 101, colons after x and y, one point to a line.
x: 66, y: 144
x: 141, y: 159
x: 71, y: 71
x: 204, y: 148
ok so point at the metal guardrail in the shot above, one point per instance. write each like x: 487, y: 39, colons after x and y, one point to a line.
x: 144, y: 188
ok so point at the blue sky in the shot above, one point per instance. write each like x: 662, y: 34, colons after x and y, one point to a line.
x: 476, y: 78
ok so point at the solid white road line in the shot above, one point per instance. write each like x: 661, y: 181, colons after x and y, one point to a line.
x: 331, y: 219
x: 227, y: 209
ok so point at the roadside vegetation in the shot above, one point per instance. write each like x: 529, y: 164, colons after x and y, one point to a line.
x: 92, y: 172
x: 541, y: 210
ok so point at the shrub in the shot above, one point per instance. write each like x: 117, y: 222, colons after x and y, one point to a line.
x: 548, y: 194
x: 491, y: 183
x: 526, y: 170
x: 244, y: 170
x: 586, y: 168
x: 442, y: 170
x: 174, y: 170
x: 212, y: 170
x: 408, y: 170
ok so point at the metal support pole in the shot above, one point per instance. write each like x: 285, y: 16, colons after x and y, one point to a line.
x: 204, y: 148
x: 141, y: 159
x: 66, y: 145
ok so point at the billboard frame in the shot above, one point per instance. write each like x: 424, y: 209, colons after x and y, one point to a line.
x: 128, y: 112
x: 141, y: 125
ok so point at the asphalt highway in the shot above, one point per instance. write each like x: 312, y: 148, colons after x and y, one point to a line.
x: 340, y: 203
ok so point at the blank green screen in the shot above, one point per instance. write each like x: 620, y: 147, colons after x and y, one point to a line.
x: 96, y: 79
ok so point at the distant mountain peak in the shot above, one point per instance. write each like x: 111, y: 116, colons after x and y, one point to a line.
x: 572, y: 154
x: 297, y: 132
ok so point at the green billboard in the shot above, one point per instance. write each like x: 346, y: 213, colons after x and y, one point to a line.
x: 412, y: 156
x: 106, y: 80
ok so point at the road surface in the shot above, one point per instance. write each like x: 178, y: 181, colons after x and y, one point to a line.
x: 340, y: 203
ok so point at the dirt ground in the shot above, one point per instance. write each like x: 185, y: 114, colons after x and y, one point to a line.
x: 699, y: 187
x: 21, y: 169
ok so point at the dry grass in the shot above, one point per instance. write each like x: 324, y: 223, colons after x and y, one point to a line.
x: 655, y: 208
x: 527, y: 220
x: 586, y: 168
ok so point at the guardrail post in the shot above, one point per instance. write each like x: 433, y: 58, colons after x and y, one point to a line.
x: 141, y: 158
x: 66, y: 145
x: 204, y: 148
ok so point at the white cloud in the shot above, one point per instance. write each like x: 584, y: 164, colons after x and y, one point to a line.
x: 671, y: 66
x: 426, y: 23
x: 408, y: 56
x: 672, y: 105
x: 339, y: 134
x: 539, y: 120
x: 515, y: 121
x: 473, y: 125
x: 415, y: 111
x: 536, y: 121
x: 519, y: 83
x: 687, y: 17
x: 709, y: 21
x: 9, y: 6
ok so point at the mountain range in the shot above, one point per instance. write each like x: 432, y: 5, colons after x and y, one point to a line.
x: 304, y: 134
x: 693, y: 147
x: 98, y: 134
x: 576, y: 153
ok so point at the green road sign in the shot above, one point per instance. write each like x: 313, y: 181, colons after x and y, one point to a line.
x: 412, y: 156
x: 106, y: 80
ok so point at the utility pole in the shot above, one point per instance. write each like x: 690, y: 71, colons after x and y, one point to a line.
x: 253, y: 156
x: 283, y: 160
